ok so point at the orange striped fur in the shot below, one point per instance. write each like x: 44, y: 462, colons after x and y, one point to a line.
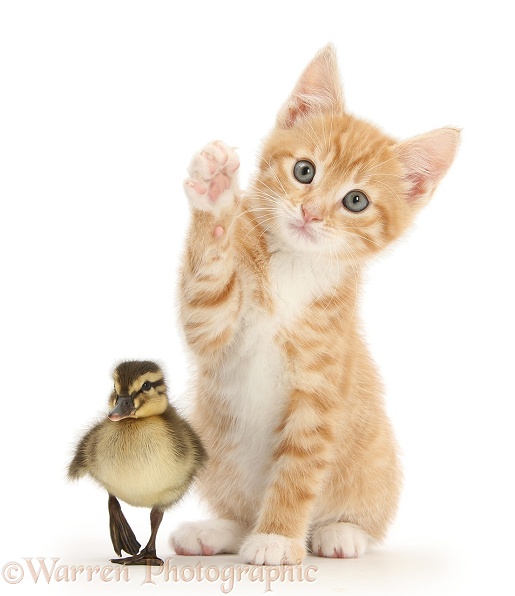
x: 288, y: 400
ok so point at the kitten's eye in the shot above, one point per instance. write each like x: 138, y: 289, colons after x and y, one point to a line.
x: 355, y: 201
x: 304, y: 171
x: 146, y: 386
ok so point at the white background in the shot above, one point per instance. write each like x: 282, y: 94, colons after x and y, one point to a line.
x: 101, y: 105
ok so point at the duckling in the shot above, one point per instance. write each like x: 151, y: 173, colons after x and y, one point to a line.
x: 143, y: 453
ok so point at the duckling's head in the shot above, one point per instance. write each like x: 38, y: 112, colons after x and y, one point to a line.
x: 139, y: 391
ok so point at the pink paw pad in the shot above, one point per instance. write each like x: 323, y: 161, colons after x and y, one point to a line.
x: 219, y: 183
x: 195, y: 185
x: 211, y: 172
x: 206, y: 551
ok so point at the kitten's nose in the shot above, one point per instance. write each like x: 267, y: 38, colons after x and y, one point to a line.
x: 308, y: 216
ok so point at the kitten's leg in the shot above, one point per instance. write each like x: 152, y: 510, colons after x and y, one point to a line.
x: 209, y: 537
x: 339, y: 540
x: 301, y: 462
x: 210, y: 292
x: 210, y: 288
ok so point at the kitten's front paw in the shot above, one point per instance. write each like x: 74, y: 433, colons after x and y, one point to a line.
x: 213, y: 185
x: 272, y: 549
x: 340, y: 540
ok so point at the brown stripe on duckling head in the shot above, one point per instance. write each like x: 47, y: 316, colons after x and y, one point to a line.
x: 126, y: 373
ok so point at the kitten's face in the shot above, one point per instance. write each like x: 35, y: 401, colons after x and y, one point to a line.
x: 331, y: 184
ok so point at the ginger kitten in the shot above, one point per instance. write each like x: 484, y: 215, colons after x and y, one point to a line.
x: 288, y: 400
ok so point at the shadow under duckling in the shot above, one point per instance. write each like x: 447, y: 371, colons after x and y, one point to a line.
x: 143, y: 453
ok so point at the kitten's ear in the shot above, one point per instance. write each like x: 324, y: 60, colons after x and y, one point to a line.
x: 317, y: 91
x: 426, y: 158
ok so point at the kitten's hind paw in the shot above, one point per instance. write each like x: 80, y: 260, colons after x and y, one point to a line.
x: 208, y: 537
x: 213, y: 184
x: 340, y: 540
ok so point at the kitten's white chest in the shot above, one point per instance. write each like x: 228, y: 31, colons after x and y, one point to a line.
x: 254, y: 389
x: 254, y: 376
x: 297, y: 280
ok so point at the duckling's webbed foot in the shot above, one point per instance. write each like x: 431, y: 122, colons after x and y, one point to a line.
x: 148, y: 555
x: 144, y: 558
x: 122, y: 536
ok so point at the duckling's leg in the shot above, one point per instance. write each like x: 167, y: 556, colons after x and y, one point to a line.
x: 148, y: 554
x: 122, y: 535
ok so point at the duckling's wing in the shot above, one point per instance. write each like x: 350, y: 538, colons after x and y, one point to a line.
x: 79, y: 465
x: 187, y: 444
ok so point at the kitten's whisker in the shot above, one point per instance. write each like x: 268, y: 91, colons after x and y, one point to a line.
x: 335, y: 290
x: 330, y: 131
x: 277, y: 178
x: 314, y: 260
x: 265, y: 195
x: 286, y: 196
x: 329, y: 282
x: 391, y: 175
x: 260, y: 222
x: 350, y: 231
x: 371, y: 168
x: 269, y: 208
x: 304, y: 130
x: 327, y: 137
x: 266, y: 230
x: 391, y: 191
x: 356, y: 281
x: 319, y: 140
x: 253, y: 210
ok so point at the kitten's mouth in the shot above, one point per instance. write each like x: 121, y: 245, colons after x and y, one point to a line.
x: 303, y: 231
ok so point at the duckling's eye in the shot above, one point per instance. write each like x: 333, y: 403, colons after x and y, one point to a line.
x: 146, y: 386
x: 304, y: 171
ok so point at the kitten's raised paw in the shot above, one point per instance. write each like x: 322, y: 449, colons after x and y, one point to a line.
x: 340, y: 540
x: 207, y: 538
x: 213, y: 185
x: 272, y: 549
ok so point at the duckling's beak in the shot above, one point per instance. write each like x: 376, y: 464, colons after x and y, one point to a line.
x: 123, y: 408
